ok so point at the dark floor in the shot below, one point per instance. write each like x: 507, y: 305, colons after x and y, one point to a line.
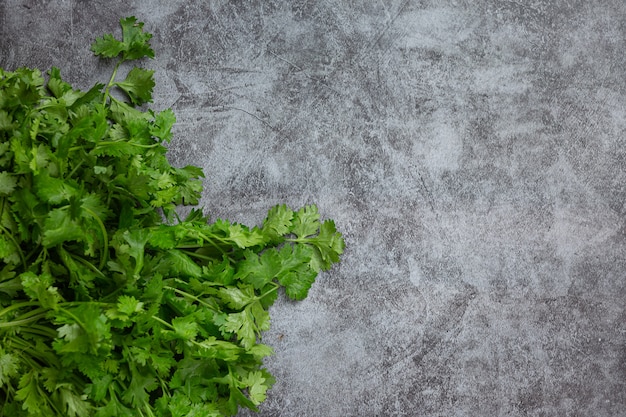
x: 473, y: 153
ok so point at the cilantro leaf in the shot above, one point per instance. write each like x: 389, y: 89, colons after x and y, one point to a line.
x: 9, y: 367
x: 8, y: 183
x: 185, y: 328
x: 138, y: 85
x: 328, y: 244
x: 134, y: 43
x: 298, y: 276
x: 135, y: 39
x: 241, y: 324
x: 257, y: 383
x: 141, y: 384
x: 278, y: 222
x: 6, y: 121
x: 107, y: 46
x: 259, y: 270
x: 162, y: 125
x: 306, y: 221
x: 114, y: 408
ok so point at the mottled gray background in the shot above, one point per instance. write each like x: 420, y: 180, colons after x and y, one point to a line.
x: 472, y: 153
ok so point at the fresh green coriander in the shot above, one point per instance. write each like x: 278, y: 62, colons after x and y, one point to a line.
x: 111, y: 306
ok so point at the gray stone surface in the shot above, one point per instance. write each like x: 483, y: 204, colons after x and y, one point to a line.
x: 472, y: 152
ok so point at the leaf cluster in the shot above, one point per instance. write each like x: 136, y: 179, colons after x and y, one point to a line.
x: 110, y: 305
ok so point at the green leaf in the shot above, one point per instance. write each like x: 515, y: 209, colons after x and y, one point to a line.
x: 59, y: 227
x: 9, y: 253
x: 11, y: 287
x: 114, y: 408
x: 241, y: 324
x: 236, y: 298
x: 129, y: 305
x: 85, y: 329
x: 39, y: 158
x: 220, y: 349
x: 181, y: 265
x: 162, y: 126
x: 257, y: 384
x: 220, y: 272
x: 75, y: 405
x: 185, y: 328
x: 9, y: 367
x: 135, y: 39
x: 6, y: 121
x: 278, y: 222
x: 328, y: 244
x: 297, y: 275
x: 134, y: 44
x: 261, y: 316
x: 54, y: 190
x: 141, y: 384
x: 29, y: 394
x: 40, y: 288
x: 62, y: 90
x: 7, y: 183
x: 107, y: 46
x: 5, y: 154
x: 258, y: 270
x: 138, y: 85
x: 244, y: 237
x: 306, y: 221
x: 100, y: 387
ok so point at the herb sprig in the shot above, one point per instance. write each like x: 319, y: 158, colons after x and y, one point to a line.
x: 111, y: 306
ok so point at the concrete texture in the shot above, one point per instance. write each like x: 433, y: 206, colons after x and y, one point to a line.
x: 472, y: 152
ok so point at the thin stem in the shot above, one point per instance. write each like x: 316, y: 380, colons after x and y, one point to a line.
x: 193, y: 297
x: 111, y: 81
x: 31, y: 313
x: 163, y: 322
x: 105, y: 237
x: 22, y: 322
x: 76, y: 319
x: 40, y: 330
x: 139, y: 145
x: 77, y: 165
x: 18, y: 306
x: 17, y: 246
x: 197, y: 255
x: 276, y: 287
x: 89, y: 265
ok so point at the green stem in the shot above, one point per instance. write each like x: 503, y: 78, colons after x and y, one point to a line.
x: 163, y: 322
x: 22, y: 322
x: 76, y: 319
x: 31, y: 313
x: 77, y: 166
x: 107, y: 90
x: 105, y: 237
x: 40, y: 331
x: 139, y: 145
x: 203, y: 257
x: 88, y: 265
x: 17, y: 306
x: 49, y: 400
x: 197, y: 255
x: 46, y: 357
x: 166, y: 324
x: 28, y: 359
x: 193, y: 297
x: 268, y: 292
x: 17, y: 246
